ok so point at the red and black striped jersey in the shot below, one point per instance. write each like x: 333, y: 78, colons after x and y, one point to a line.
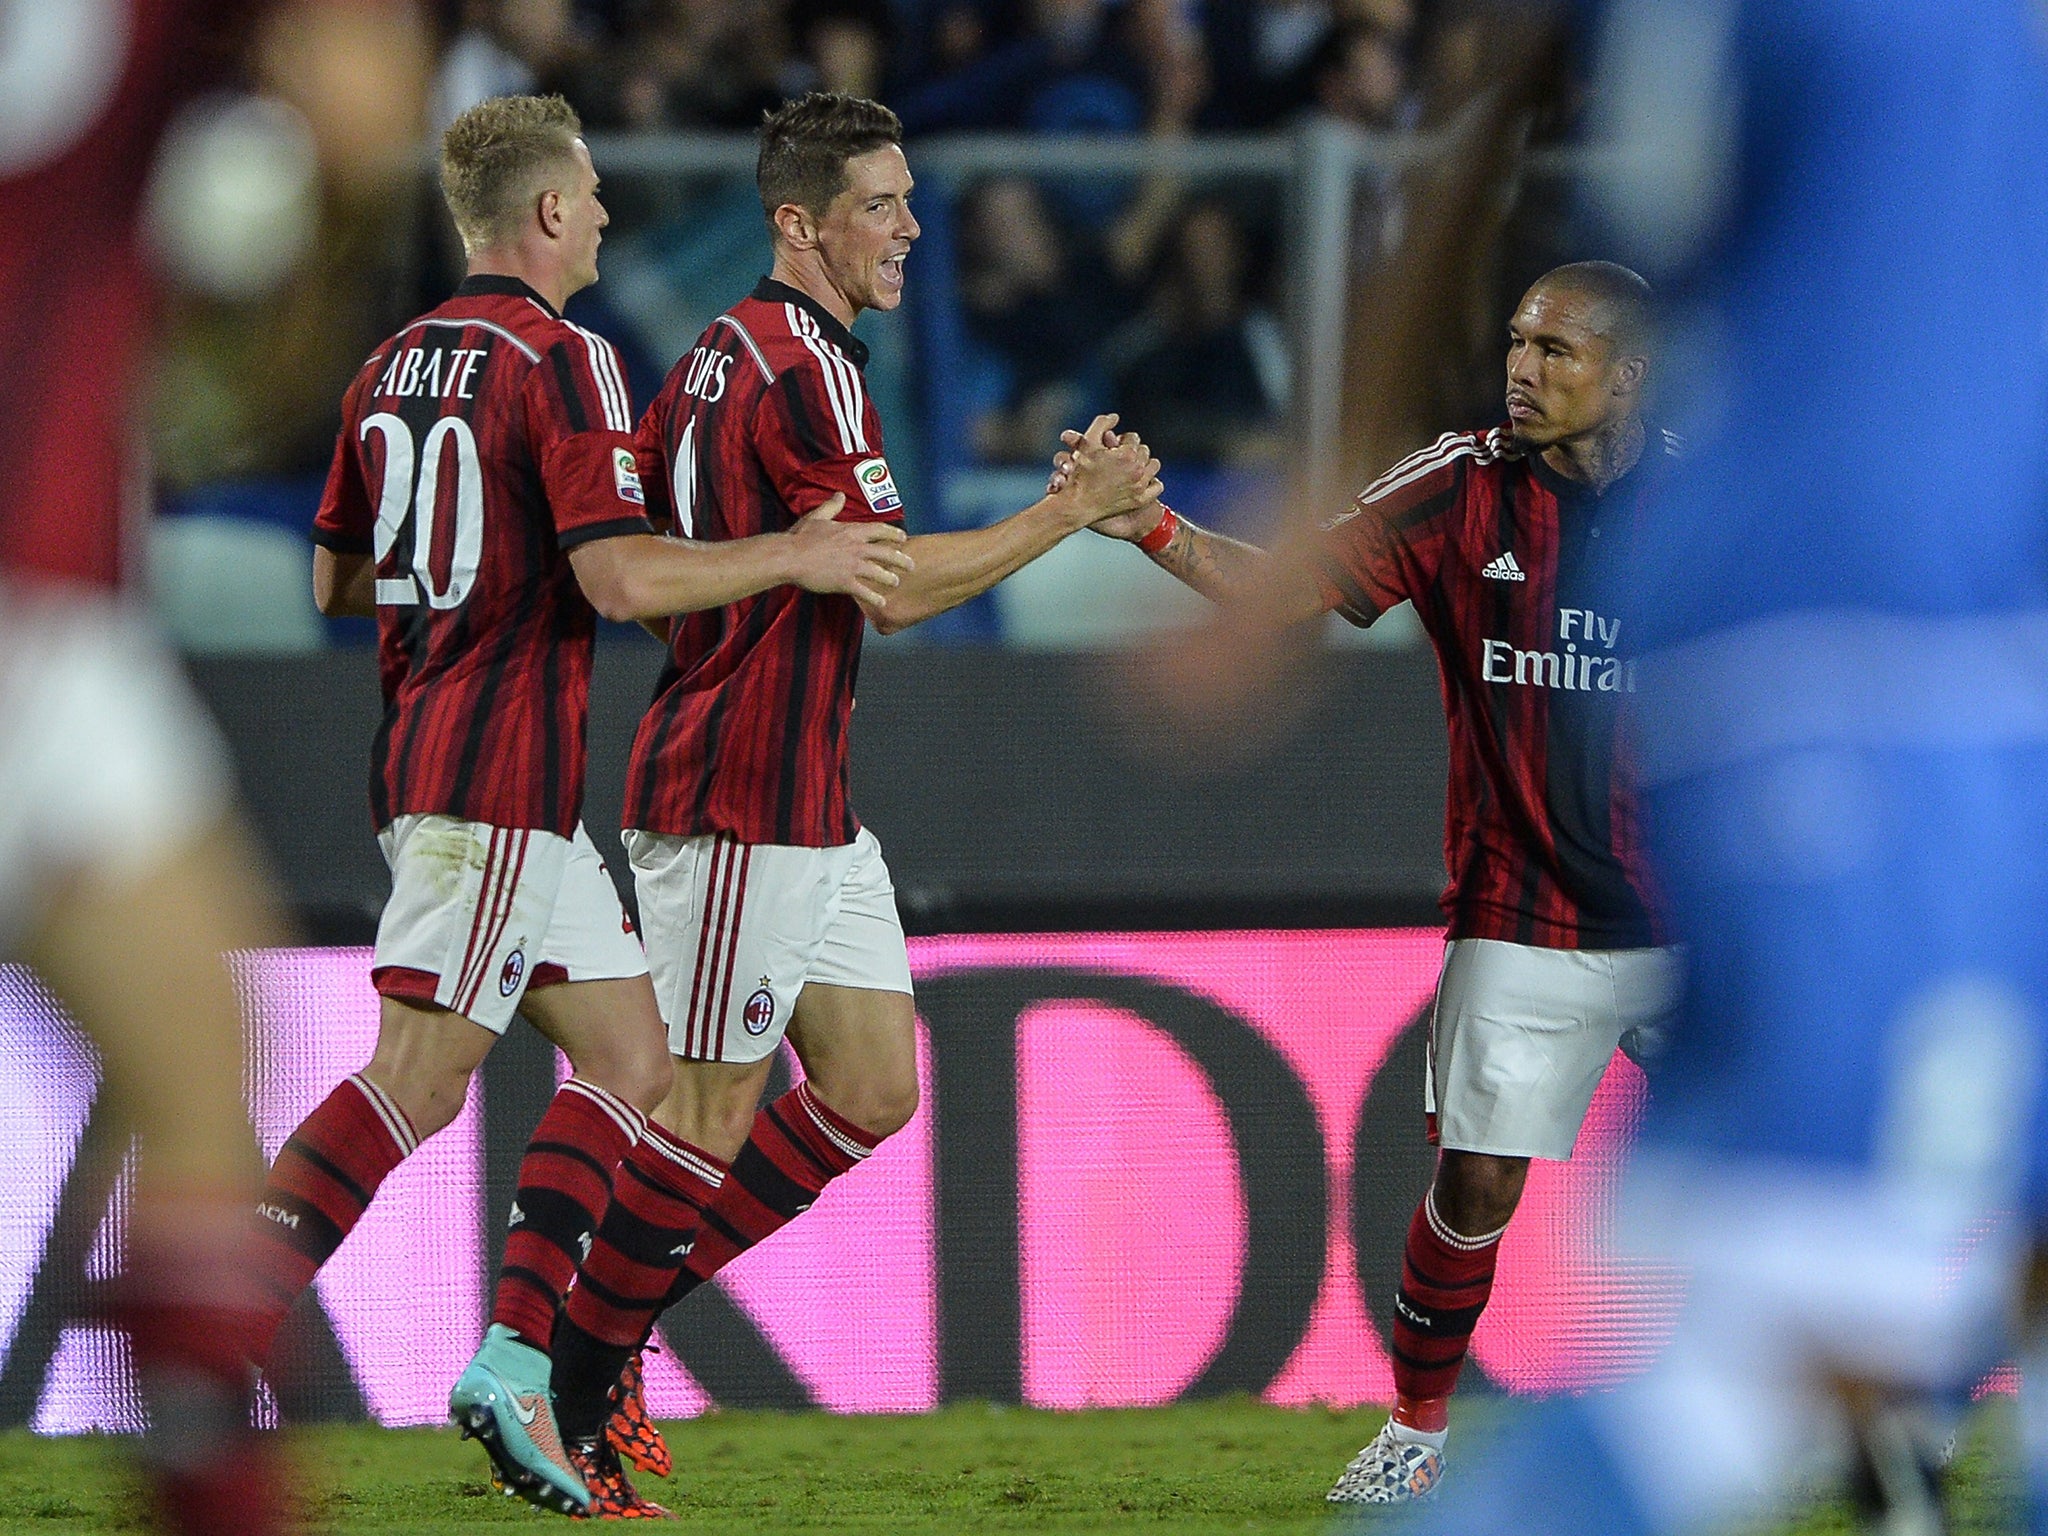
x: 766, y: 417
x: 1498, y: 553
x: 90, y: 87
x: 479, y: 446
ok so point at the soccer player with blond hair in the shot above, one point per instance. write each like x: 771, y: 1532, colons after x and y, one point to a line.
x: 485, y: 504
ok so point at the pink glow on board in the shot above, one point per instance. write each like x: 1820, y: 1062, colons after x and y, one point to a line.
x: 849, y: 1293
x: 1130, y: 1210
x: 406, y: 1290
x: 1131, y: 1207
x: 1567, y: 1313
x: 46, y: 1074
x: 1332, y: 1003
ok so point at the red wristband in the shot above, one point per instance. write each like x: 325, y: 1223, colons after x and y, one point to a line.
x: 1162, y: 535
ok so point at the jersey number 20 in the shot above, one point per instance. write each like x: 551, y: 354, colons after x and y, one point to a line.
x: 405, y: 500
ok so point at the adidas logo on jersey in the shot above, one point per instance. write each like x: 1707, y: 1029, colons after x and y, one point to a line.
x: 1504, y: 569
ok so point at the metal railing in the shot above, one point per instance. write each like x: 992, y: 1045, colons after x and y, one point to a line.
x: 1316, y: 171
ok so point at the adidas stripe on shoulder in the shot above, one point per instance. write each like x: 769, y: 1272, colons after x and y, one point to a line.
x: 843, y: 390
x: 1441, y: 454
x: 613, y: 396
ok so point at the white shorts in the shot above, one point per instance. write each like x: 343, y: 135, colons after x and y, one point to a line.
x: 480, y: 913
x: 108, y: 762
x: 1522, y: 1035
x: 735, y: 931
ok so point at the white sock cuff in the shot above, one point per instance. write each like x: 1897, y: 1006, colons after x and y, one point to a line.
x: 629, y: 1119
x: 1456, y: 1240
x: 396, y: 1122
x: 661, y: 1140
x: 826, y: 1128
x: 1435, y: 1439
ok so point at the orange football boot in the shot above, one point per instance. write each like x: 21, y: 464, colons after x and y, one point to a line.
x: 611, y: 1496
x: 634, y: 1435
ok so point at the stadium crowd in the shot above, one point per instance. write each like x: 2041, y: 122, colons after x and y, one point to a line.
x: 1161, y: 300
x: 1063, y: 296
x: 1105, y: 66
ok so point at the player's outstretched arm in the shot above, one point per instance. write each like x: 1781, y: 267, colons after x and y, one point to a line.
x: 1242, y: 577
x: 642, y: 576
x: 1110, y: 475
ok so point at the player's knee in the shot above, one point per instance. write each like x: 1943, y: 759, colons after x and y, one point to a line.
x: 1476, y: 1194
x: 714, y: 1114
x: 880, y: 1103
x: 887, y: 1113
x: 431, y: 1095
x: 641, y: 1075
x: 730, y: 1119
x: 645, y: 1080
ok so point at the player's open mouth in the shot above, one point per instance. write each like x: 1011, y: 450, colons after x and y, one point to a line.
x: 892, y: 272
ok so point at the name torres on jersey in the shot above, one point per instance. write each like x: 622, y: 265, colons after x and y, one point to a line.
x: 763, y: 419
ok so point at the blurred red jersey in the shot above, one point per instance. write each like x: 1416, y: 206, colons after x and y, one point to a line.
x: 479, y: 446
x: 764, y: 419
x: 89, y: 87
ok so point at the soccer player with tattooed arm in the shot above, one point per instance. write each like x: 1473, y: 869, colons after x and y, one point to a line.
x: 1553, y: 955
x: 767, y: 908
x: 485, y: 504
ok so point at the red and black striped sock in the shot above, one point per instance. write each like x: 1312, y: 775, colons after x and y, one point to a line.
x: 565, y: 1184
x: 798, y: 1146
x: 1446, y: 1279
x: 323, y: 1180
x: 192, y: 1300
x: 659, y: 1197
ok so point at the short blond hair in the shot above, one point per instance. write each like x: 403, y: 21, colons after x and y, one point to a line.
x: 495, y: 158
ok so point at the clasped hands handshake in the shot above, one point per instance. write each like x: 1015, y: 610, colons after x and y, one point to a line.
x: 1101, y: 478
x: 1114, y: 473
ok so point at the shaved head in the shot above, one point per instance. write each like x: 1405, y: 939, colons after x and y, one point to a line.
x: 1578, y: 358
x: 1621, y: 303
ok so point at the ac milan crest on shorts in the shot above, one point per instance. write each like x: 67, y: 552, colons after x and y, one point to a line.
x: 480, y: 913
x: 735, y: 931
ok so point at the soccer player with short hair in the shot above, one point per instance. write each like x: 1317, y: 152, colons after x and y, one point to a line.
x: 1552, y: 957
x: 766, y: 905
x: 1842, y: 736
x: 485, y: 502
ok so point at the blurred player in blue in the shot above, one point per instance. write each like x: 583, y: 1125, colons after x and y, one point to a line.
x: 1841, y: 609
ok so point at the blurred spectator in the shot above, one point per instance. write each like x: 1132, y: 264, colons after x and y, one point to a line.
x: 1359, y: 76
x: 1071, y: 70
x: 1205, y: 372
x: 505, y: 47
x: 1039, y: 302
x: 699, y: 64
x: 1269, y: 45
x: 1396, y: 18
x: 843, y: 45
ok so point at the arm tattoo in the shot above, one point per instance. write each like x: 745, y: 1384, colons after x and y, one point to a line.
x: 1232, y: 574
x: 1220, y: 569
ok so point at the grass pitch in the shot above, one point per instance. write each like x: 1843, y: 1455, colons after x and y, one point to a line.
x: 1197, y: 1468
